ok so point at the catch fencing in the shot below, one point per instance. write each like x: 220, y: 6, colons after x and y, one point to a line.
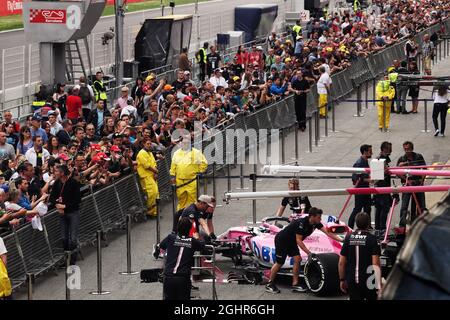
x: 37, y: 252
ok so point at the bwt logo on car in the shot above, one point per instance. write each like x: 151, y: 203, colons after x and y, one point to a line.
x: 14, y: 5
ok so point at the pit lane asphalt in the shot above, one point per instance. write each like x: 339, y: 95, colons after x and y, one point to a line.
x: 339, y: 149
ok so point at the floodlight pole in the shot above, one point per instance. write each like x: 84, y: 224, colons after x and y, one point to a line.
x: 119, y: 21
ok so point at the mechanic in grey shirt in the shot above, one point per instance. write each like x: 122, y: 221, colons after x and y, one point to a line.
x: 6, y: 150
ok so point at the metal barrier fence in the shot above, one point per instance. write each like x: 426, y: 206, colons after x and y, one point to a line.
x: 36, y: 252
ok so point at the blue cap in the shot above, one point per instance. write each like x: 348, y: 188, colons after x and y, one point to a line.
x: 5, y: 188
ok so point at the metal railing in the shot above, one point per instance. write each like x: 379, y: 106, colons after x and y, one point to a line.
x: 36, y: 252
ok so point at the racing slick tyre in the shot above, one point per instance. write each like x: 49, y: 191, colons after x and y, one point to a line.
x: 321, y: 274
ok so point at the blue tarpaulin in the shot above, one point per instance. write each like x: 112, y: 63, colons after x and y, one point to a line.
x: 255, y: 20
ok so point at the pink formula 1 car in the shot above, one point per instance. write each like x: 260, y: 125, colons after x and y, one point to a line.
x: 320, y: 273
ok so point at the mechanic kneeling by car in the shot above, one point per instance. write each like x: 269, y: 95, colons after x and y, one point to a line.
x: 359, y: 262
x: 287, y: 243
x: 180, y: 249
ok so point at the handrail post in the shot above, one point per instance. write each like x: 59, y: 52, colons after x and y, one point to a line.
x: 425, y: 117
x: 358, y: 102
x: 99, y: 266
x: 367, y: 94
x: 214, y: 180
x: 241, y: 178
x: 317, y: 129
x: 128, y: 221
x: 68, y: 257
x: 174, y: 195
x: 197, y: 185
x: 228, y: 177
x: 310, y: 134
x: 283, y: 147
x: 296, y: 149
x: 205, y: 183
x: 30, y: 282
x: 374, y: 85
x: 333, y: 117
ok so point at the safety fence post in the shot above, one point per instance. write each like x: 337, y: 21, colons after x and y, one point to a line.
x: 358, y: 102
x: 333, y: 117
x: 425, y: 117
x: 68, y: 257
x: 228, y: 178
x: 367, y: 94
x: 310, y: 134
x: 283, y: 147
x: 296, y: 142
x: 99, y: 266
x: 205, y: 183
x: 198, y: 185
x: 214, y: 183
x: 174, y: 195
x: 214, y: 180
x: 326, y: 117
x: 317, y: 129
x: 253, y: 178
x: 374, y: 85
x: 128, y: 239
x: 241, y: 178
x: 30, y: 283
x: 445, y: 47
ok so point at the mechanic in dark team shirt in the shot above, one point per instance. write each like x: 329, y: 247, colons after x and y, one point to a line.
x: 294, y: 203
x: 287, y: 242
x: 363, y: 202
x: 180, y: 249
x: 359, y: 262
x: 411, y: 158
x: 198, y: 213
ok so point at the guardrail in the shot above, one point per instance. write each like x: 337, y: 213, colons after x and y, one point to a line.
x: 37, y: 252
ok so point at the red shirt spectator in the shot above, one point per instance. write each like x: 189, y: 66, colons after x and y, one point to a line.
x: 255, y: 58
x: 74, y: 105
x: 242, y: 57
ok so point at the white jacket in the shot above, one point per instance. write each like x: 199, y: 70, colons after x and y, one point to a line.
x: 32, y: 156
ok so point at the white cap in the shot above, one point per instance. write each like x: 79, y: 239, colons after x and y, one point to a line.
x: 206, y: 199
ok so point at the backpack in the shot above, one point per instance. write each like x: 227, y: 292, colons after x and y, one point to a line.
x: 85, y: 95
